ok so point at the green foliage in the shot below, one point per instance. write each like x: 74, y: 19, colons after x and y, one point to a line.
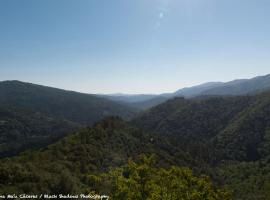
x: 225, y: 138
x: 246, y: 138
x: 33, y: 116
x: 247, y: 180
x: 81, y: 108
x: 214, y: 129
x: 142, y: 181
x: 107, y: 144
x: 23, y: 130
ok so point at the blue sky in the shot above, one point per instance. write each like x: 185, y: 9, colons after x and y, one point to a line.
x: 133, y: 46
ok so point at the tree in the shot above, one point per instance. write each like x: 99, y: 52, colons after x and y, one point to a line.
x: 142, y: 181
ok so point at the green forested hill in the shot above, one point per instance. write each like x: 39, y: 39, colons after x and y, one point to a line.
x: 226, y: 138
x: 77, y: 163
x: 192, y: 124
x: 236, y: 126
x: 230, y: 134
x: 64, y: 167
x: 247, y: 137
x: 22, y: 129
x: 77, y: 107
x: 192, y: 118
x: 33, y: 116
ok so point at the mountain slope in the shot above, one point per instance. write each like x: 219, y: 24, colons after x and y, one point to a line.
x: 198, y: 119
x: 33, y: 116
x: 237, y: 128
x: 74, y: 164
x: 73, y: 106
x: 21, y: 130
x: 132, y: 98
x: 229, y: 136
x: 66, y: 166
x: 144, y: 105
x: 241, y: 87
x: 196, y: 90
x: 140, y: 101
x: 233, y: 88
x: 247, y: 137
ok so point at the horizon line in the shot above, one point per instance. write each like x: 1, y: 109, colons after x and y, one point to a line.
x: 131, y: 94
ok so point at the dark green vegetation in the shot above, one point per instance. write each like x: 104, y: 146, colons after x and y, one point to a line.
x: 229, y: 136
x: 77, y: 107
x: 33, y: 116
x: 107, y: 144
x: 143, y: 180
x: 20, y: 130
x: 80, y: 163
x: 237, y: 127
x: 226, y: 138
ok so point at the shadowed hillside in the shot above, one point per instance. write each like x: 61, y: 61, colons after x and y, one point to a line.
x: 229, y: 136
x: 77, y: 107
x: 21, y: 130
x: 66, y: 165
x: 33, y: 116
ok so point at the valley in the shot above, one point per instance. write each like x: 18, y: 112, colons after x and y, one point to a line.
x: 60, y: 142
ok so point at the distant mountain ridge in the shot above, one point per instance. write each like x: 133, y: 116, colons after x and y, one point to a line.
x: 232, y: 88
x: 196, y: 90
x: 241, y: 87
x: 74, y: 106
x: 129, y: 98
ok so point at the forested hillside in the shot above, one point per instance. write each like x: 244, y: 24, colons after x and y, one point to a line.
x: 236, y: 126
x: 160, y: 99
x: 195, y: 119
x: 229, y: 134
x: 33, y: 116
x: 225, y: 138
x: 90, y: 159
x: 77, y: 107
x: 22, y: 129
x: 66, y: 166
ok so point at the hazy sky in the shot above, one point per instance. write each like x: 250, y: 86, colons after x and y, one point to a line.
x: 133, y: 46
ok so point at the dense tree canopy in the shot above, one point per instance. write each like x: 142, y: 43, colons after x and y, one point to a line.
x: 226, y: 138
x: 142, y: 181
